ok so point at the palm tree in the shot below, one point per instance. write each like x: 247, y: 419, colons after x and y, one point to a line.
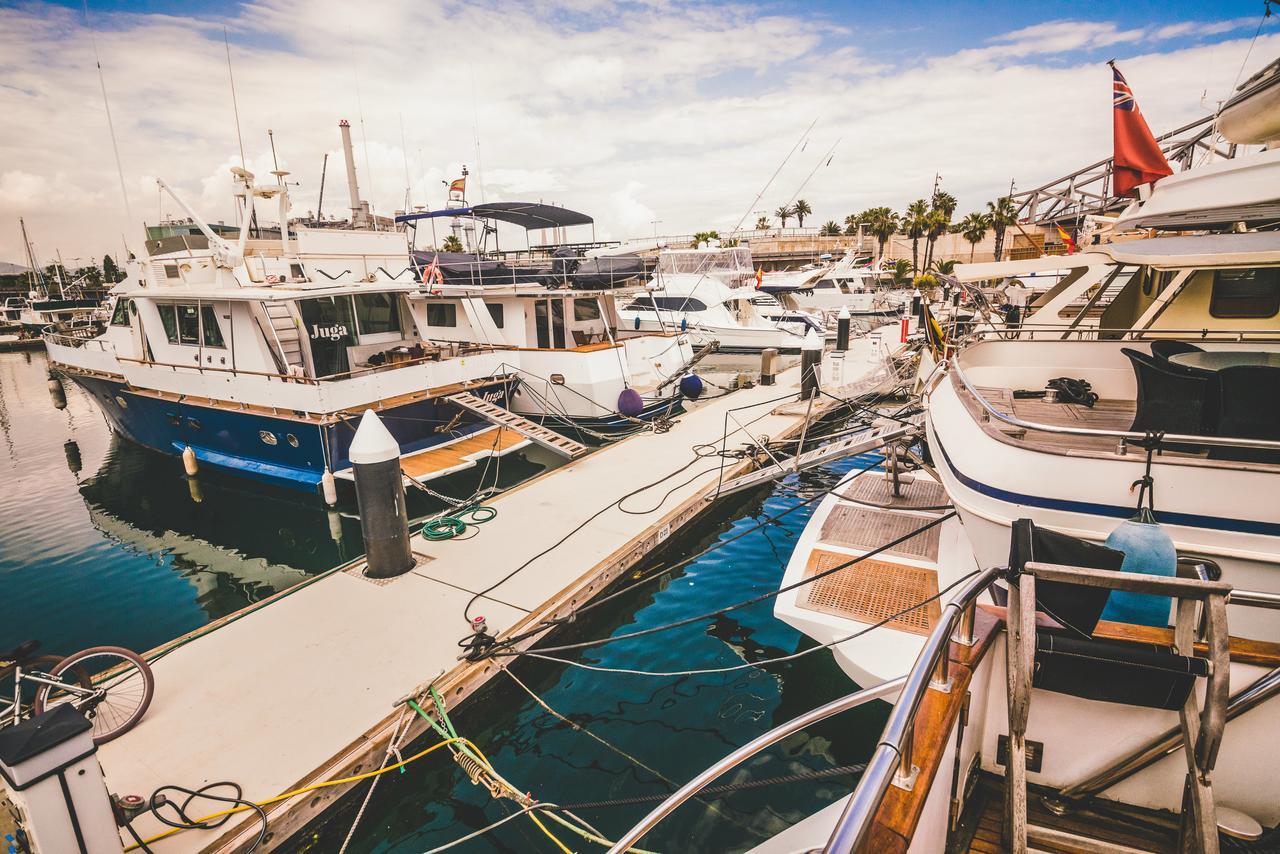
x: 945, y: 268
x: 851, y: 223
x: 883, y: 224
x: 784, y: 213
x: 937, y: 221
x: 830, y: 228
x: 801, y: 209
x: 901, y: 271
x: 974, y: 228
x: 945, y: 202
x: 1001, y: 214
x: 701, y: 237
x: 914, y: 224
x: 762, y: 223
x: 451, y: 244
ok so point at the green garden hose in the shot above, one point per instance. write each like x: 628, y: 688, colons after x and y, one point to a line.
x: 455, y: 523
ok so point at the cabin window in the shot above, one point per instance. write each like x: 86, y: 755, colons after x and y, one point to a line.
x: 169, y: 319
x: 680, y: 303
x: 331, y: 327
x: 641, y: 304
x: 442, y: 314
x: 210, y: 331
x: 296, y: 271
x: 586, y: 310
x: 188, y: 324
x: 496, y: 311
x: 377, y: 313
x: 1245, y: 293
x: 171, y: 271
x: 825, y: 283
x: 548, y: 319
x: 120, y: 316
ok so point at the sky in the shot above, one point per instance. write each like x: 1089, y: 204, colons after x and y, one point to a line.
x: 633, y: 112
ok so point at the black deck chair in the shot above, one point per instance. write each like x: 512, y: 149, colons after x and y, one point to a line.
x: 1249, y: 408
x: 1163, y: 349
x: 1174, y: 399
x: 1070, y: 660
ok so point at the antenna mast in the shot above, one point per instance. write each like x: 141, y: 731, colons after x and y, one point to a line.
x: 235, y: 107
x: 106, y: 104
x: 324, y: 167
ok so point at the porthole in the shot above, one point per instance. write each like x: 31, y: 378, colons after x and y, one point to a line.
x: 175, y: 420
x: 124, y: 404
x: 557, y: 379
x: 291, y: 439
x: 267, y: 437
x: 194, y: 423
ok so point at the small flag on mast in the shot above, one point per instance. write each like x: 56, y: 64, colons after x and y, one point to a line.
x: 1138, y: 158
x: 458, y: 189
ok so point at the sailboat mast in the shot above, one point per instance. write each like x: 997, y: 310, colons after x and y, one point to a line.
x: 35, y: 277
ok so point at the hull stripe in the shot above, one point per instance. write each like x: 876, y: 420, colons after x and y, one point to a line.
x: 1189, y: 520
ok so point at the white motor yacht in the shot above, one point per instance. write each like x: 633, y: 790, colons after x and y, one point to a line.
x: 256, y: 357
x: 708, y: 293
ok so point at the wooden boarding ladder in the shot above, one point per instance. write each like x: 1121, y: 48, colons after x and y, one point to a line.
x: 284, y: 328
x: 491, y: 412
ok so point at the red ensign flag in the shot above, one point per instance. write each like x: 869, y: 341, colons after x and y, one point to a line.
x: 1138, y: 158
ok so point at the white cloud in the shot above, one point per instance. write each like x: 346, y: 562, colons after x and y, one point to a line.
x: 628, y: 112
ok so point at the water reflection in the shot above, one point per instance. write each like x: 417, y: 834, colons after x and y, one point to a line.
x: 104, y: 542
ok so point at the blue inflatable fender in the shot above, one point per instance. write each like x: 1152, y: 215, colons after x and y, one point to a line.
x: 691, y: 386
x: 1147, y: 549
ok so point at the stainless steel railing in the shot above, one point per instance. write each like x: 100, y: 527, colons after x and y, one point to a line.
x: 751, y: 748
x: 891, y: 763
x: 1180, y: 438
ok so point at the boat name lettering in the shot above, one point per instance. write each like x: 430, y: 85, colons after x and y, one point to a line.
x: 334, y: 332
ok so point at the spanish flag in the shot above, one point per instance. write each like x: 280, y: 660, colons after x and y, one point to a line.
x: 1068, y: 240
x: 459, y: 186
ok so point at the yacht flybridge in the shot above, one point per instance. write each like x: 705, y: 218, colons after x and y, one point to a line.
x: 256, y: 356
x: 553, y: 314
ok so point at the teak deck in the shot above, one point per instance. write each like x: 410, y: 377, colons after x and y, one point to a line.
x: 462, y: 454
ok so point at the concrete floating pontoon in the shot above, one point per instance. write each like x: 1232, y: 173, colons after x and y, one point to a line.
x: 304, y: 687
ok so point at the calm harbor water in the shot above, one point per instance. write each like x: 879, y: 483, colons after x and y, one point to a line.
x: 675, y: 726
x: 104, y: 543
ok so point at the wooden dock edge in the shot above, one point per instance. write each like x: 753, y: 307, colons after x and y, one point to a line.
x: 366, y: 752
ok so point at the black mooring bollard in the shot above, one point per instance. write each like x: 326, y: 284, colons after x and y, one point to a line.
x: 375, y: 460
x: 842, y: 329
x: 810, y: 359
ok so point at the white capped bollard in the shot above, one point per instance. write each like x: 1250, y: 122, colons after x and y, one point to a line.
x: 842, y: 329
x: 49, y: 767
x: 810, y: 359
x: 384, y: 521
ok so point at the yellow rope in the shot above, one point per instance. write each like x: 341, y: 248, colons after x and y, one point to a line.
x: 287, y: 795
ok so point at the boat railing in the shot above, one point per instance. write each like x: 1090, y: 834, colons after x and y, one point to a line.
x: 989, y: 412
x: 210, y: 369
x: 85, y: 337
x: 891, y: 764
x: 302, y: 379
x: 883, y: 691
x: 1060, y: 332
x: 892, y: 760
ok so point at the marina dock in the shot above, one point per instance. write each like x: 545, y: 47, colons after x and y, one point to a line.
x: 309, y: 685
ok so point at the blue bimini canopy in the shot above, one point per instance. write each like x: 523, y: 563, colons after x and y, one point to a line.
x: 527, y: 215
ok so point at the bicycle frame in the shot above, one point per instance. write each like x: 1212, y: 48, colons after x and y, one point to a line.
x: 13, y: 712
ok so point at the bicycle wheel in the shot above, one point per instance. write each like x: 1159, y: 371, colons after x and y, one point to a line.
x: 123, y: 689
